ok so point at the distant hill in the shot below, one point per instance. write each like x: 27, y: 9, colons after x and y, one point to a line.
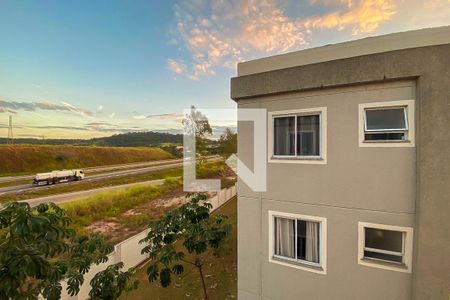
x: 132, y: 139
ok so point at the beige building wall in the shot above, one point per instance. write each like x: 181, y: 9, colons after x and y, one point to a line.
x: 374, y: 185
x: 409, y: 185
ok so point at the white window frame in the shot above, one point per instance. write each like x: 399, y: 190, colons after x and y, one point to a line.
x: 321, y: 267
x: 301, y: 159
x: 408, y: 106
x: 407, y: 233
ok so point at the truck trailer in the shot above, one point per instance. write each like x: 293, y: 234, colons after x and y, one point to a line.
x: 58, y: 176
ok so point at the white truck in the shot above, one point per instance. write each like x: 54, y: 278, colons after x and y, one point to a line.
x: 58, y: 176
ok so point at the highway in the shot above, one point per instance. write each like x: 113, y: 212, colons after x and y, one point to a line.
x: 98, y: 169
x: 160, y: 165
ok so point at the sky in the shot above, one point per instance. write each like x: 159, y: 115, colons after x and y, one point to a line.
x: 83, y: 69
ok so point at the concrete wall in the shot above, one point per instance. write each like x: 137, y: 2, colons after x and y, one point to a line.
x: 406, y: 180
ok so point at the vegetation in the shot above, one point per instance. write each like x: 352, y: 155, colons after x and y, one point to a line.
x: 116, y: 281
x: 217, y: 169
x: 32, y: 159
x: 88, y: 185
x: 121, y: 214
x: 191, y: 226
x: 227, y: 143
x: 220, y: 272
x: 38, y: 250
x: 131, y: 139
x: 110, y: 210
x: 197, y: 124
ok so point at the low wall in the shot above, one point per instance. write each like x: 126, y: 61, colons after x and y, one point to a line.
x: 129, y: 251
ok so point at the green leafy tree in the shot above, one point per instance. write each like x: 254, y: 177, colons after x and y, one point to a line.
x: 228, y: 143
x: 111, y: 283
x: 189, y: 229
x: 197, y: 124
x: 38, y: 250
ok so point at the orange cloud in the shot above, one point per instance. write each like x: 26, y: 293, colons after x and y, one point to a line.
x: 363, y: 17
x: 220, y: 33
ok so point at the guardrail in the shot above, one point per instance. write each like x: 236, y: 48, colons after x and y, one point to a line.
x: 129, y: 251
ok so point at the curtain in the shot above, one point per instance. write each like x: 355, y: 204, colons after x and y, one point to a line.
x: 312, y: 241
x: 284, y: 237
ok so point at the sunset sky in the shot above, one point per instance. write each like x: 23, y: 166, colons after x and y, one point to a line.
x: 81, y: 69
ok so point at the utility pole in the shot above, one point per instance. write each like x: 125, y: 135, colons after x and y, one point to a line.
x: 10, y: 140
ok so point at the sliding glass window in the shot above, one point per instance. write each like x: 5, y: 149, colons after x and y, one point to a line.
x: 297, y: 136
x: 297, y: 240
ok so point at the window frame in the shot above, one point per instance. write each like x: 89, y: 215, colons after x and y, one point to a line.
x: 306, y: 159
x: 406, y: 254
x: 321, y: 266
x: 409, y: 130
x: 405, y: 114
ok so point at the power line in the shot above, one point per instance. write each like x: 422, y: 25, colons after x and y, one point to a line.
x: 10, y: 140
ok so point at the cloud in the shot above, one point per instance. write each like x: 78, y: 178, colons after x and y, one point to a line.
x: 140, y: 117
x: 361, y: 17
x: 220, y: 33
x: 177, y: 117
x: 100, y: 108
x: 176, y: 67
x: 14, y: 106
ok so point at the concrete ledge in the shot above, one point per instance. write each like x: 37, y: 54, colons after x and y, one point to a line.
x: 366, y: 46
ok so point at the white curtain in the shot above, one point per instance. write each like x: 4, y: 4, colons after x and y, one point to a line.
x: 312, y: 241
x: 285, y: 239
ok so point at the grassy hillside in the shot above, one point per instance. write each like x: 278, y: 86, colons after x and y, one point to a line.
x: 42, y: 158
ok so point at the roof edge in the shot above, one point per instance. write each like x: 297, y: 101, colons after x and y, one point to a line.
x: 370, y: 45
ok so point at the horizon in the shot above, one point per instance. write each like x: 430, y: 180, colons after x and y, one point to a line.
x: 85, y: 70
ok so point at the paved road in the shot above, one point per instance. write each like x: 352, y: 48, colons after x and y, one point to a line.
x: 161, y: 166
x: 99, y: 169
x: 61, y: 198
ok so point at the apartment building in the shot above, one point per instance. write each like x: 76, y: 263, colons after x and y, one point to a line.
x: 357, y: 203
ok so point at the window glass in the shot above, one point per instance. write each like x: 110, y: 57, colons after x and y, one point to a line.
x: 384, y: 239
x: 385, y: 136
x: 307, y: 235
x: 385, y: 119
x: 308, y: 135
x: 285, y: 237
x: 383, y: 256
x: 284, y: 136
x: 308, y: 241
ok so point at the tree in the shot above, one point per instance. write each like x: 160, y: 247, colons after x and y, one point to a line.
x: 196, y: 123
x: 228, y: 143
x: 190, y: 228
x: 38, y: 250
x: 111, y: 283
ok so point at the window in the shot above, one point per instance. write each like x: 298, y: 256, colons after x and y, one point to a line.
x: 385, y: 246
x: 297, y: 241
x: 387, y: 123
x: 298, y: 136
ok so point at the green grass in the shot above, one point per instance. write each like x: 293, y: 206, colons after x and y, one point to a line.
x: 88, y: 185
x: 109, y: 207
x: 203, y: 170
x: 220, y: 272
x: 30, y: 159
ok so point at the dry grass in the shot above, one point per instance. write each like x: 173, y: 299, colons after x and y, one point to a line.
x: 123, y: 213
x: 21, y: 159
